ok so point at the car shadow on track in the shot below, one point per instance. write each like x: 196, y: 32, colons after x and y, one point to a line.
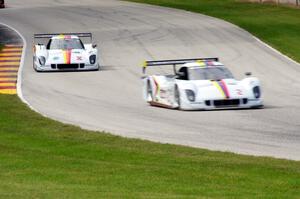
x: 221, y: 109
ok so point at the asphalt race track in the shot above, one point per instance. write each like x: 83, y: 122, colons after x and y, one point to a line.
x: 127, y: 34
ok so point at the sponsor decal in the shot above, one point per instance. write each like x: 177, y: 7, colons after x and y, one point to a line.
x: 78, y: 58
x: 239, y: 92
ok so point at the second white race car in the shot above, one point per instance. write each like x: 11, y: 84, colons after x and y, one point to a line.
x: 200, y: 84
x: 64, y: 51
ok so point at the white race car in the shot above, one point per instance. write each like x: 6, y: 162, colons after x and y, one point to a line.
x: 200, y: 84
x: 64, y: 51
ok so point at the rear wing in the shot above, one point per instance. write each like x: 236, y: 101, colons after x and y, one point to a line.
x: 175, y: 62
x: 50, y: 35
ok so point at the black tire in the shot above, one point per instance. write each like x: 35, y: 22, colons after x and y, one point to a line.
x: 34, y: 67
x: 177, y: 96
x: 33, y: 64
x: 149, y: 92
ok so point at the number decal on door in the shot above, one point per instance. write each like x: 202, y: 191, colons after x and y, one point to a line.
x: 239, y: 92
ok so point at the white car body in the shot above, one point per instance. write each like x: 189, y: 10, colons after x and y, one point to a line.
x: 76, y: 57
x: 203, y: 94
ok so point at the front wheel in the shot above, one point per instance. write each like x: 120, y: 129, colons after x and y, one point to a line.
x: 33, y: 64
x: 177, y: 96
x: 149, y: 92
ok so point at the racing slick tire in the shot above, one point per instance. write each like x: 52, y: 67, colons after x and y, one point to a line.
x: 149, y: 92
x: 177, y: 96
x: 33, y: 65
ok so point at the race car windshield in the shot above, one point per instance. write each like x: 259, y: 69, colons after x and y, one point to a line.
x: 212, y: 73
x: 65, y: 44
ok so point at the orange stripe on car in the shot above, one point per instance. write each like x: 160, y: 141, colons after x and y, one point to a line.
x: 67, y: 56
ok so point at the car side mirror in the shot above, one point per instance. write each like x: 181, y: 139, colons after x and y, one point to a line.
x: 94, y: 45
x: 248, y: 73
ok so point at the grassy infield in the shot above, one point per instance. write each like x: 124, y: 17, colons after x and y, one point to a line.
x: 41, y: 158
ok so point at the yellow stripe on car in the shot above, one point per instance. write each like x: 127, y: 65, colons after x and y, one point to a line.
x: 219, y: 88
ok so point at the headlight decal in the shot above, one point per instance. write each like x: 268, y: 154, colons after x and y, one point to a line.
x: 256, y: 92
x: 42, y: 60
x: 93, y: 59
x: 190, y: 94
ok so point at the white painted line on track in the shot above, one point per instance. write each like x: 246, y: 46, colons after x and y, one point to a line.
x: 276, y: 51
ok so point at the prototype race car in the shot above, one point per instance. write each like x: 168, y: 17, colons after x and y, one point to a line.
x: 65, y: 51
x: 200, y: 84
x: 2, y: 4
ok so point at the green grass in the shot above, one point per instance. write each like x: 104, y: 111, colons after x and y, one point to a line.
x: 42, y: 158
x: 279, y: 26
